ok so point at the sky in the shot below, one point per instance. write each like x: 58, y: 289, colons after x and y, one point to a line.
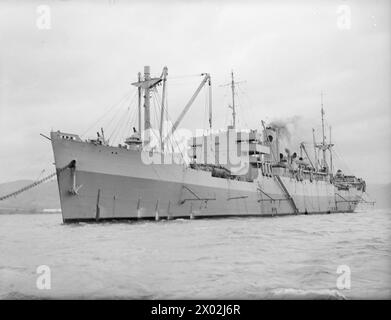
x: 67, y: 73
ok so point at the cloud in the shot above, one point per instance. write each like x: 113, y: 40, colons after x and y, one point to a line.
x: 67, y: 77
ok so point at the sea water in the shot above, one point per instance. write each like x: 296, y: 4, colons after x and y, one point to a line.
x: 335, y: 256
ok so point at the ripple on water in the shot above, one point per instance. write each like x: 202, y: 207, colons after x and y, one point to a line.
x: 255, y: 258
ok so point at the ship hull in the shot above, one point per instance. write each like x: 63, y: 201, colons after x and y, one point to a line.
x: 109, y: 183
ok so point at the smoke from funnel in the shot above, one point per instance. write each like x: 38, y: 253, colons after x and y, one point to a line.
x: 285, y: 127
x: 287, y: 130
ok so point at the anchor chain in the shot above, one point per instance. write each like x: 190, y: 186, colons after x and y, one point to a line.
x: 38, y: 182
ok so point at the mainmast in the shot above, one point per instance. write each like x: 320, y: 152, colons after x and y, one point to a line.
x: 323, y: 145
x: 233, y: 107
x: 147, y: 84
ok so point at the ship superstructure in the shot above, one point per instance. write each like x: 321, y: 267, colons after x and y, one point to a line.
x: 224, y: 173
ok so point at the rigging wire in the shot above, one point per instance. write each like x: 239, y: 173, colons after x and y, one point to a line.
x: 124, y: 97
x: 185, y: 76
x: 156, y: 105
x: 124, y: 130
x: 239, y: 108
x: 109, y: 127
x: 172, y: 139
x: 119, y: 129
x: 127, y: 130
x: 131, y: 120
x: 245, y: 95
x: 226, y: 101
x: 115, y: 129
x: 337, y: 154
x: 121, y: 134
x: 40, y: 174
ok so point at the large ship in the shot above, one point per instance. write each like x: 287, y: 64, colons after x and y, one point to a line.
x: 223, y: 173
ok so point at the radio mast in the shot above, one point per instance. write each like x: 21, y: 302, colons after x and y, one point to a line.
x: 323, y: 133
x: 233, y: 107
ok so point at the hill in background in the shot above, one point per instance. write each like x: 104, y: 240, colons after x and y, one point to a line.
x: 43, y: 196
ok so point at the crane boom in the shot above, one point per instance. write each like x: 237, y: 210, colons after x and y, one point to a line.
x: 308, y: 157
x: 188, y: 105
x: 162, y: 111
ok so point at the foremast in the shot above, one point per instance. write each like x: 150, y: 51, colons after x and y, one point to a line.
x: 147, y: 85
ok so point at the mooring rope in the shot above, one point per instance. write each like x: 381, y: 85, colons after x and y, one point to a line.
x: 36, y: 183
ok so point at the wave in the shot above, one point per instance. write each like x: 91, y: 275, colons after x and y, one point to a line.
x: 14, y: 295
x: 298, y: 294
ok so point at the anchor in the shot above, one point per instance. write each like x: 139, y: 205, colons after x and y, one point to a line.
x: 75, y: 188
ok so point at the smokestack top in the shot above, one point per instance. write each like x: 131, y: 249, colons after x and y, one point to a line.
x: 147, y: 69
